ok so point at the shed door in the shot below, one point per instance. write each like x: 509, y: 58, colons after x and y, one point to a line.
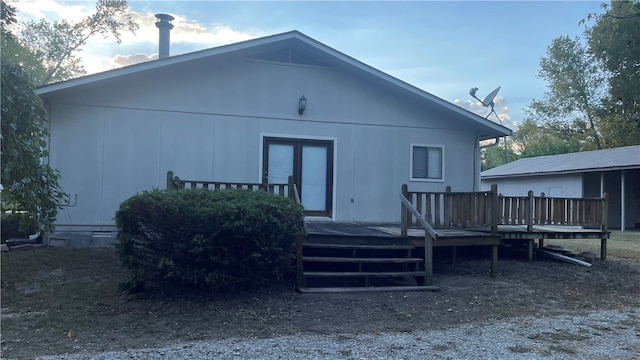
x: 311, y: 164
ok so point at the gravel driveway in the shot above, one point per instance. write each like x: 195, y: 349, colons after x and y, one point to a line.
x: 594, y: 335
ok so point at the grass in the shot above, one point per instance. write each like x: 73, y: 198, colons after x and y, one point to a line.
x: 621, y: 244
x: 57, y: 300
x: 56, y: 293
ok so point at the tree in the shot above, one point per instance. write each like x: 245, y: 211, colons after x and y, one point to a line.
x: 614, y: 39
x: 28, y: 184
x: 43, y: 53
x: 533, y: 139
x: 13, y: 50
x: 494, y: 156
x: 576, y: 87
x: 49, y: 50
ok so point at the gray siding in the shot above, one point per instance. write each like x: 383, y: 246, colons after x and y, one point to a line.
x: 552, y: 185
x: 206, y: 122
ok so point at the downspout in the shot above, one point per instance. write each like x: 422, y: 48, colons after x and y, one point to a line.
x: 48, y: 109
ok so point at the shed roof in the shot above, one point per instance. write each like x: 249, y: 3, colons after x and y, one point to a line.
x: 587, y: 161
x: 313, y: 51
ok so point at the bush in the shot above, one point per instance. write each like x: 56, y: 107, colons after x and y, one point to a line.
x: 17, y: 225
x: 214, y: 240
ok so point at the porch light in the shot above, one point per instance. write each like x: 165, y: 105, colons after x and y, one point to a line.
x: 302, y: 104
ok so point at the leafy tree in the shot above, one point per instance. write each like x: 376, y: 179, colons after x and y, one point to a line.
x: 593, y: 100
x: 533, y: 139
x: 13, y: 50
x: 615, y: 40
x: 576, y: 87
x: 7, y: 15
x: 497, y: 155
x: 28, y: 184
x: 44, y: 52
x: 50, y: 49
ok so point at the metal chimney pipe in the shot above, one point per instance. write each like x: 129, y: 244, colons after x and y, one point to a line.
x: 164, y: 25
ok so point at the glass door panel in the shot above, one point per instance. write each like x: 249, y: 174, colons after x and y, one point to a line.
x: 310, y: 162
x: 314, y: 178
x: 280, y: 163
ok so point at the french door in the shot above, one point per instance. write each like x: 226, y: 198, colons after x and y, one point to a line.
x: 311, y: 164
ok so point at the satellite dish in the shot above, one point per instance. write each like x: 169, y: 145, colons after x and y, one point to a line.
x: 488, y: 100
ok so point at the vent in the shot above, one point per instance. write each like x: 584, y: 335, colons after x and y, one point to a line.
x: 290, y: 56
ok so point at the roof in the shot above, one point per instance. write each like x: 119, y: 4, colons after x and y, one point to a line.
x: 312, y: 48
x: 587, y: 161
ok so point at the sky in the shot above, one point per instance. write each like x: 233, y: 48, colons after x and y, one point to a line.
x: 442, y: 47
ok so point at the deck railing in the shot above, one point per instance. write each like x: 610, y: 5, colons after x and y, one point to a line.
x: 429, y: 235
x: 489, y: 209
x: 540, y: 210
x: 281, y: 189
x: 452, y: 209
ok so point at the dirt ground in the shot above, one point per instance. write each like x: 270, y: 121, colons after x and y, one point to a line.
x: 73, y: 304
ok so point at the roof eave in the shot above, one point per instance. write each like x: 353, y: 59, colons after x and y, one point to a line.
x: 566, y: 172
x: 493, y: 129
x: 497, y: 129
x: 154, y: 64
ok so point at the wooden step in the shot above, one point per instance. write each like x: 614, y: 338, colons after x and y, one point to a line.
x: 361, y: 265
x: 368, y: 288
x: 361, y: 273
x: 353, y: 246
x: 361, y: 260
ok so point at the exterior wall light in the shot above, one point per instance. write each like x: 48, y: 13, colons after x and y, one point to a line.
x: 302, y: 104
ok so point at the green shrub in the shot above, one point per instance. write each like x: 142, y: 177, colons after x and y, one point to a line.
x: 18, y: 225
x: 213, y: 240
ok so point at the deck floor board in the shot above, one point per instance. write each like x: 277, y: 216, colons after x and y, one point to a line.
x: 505, y: 232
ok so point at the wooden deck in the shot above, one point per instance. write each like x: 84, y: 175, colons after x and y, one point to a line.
x: 381, y: 243
x: 388, y: 237
x: 392, y: 231
x: 540, y: 233
x: 370, y: 251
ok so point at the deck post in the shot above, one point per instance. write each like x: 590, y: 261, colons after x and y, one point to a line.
x: 428, y: 259
x: 404, y: 212
x: 454, y: 254
x: 605, y: 212
x: 299, y: 264
x: 494, y: 209
x: 291, y: 192
x: 530, y: 250
x: 494, y: 260
x: 529, y: 210
x: 603, y: 228
x: 170, y: 184
x: 448, y: 207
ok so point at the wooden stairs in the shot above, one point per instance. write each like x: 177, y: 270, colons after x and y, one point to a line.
x: 337, y: 264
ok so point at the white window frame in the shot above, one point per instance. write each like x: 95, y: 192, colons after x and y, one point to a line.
x: 442, y: 162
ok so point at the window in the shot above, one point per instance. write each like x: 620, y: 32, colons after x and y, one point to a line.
x: 426, y: 162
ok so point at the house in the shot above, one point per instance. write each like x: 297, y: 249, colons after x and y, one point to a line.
x: 583, y: 174
x: 256, y: 111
